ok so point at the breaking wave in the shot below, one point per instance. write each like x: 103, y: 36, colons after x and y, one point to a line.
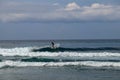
x: 94, y: 64
x: 28, y: 51
x: 39, y: 57
x: 61, y: 49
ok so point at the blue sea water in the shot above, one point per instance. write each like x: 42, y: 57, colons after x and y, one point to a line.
x: 84, y: 53
x: 70, y: 60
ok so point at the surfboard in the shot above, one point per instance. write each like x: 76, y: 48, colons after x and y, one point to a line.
x: 55, y: 46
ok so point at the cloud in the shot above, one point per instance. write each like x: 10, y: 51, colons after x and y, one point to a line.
x: 97, y: 5
x: 72, y: 6
x: 13, y: 17
x: 101, y: 12
x: 72, y: 12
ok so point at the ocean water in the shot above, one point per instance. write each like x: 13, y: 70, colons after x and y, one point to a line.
x: 80, y: 57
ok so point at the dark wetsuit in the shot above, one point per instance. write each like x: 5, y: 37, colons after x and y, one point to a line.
x: 53, y: 44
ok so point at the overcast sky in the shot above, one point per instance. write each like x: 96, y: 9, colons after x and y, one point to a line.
x: 59, y: 19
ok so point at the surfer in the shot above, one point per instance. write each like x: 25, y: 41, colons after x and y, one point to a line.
x: 53, y: 44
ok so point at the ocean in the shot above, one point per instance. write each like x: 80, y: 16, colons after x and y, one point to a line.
x: 70, y: 60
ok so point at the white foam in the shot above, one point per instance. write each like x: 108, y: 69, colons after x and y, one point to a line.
x: 41, y: 64
x: 26, y: 51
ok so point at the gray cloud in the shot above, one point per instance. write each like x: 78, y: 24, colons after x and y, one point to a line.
x: 37, y: 12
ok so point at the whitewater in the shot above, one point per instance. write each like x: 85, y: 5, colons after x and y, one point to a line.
x: 82, y: 53
x: 25, y: 57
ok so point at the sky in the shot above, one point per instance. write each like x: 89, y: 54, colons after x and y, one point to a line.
x: 59, y: 19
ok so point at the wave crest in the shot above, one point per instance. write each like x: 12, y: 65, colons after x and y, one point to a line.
x: 93, y: 64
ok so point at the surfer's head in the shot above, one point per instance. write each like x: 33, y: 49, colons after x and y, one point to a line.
x: 52, y: 43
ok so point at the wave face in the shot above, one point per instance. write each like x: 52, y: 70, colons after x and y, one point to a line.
x: 101, y: 56
x: 61, y: 49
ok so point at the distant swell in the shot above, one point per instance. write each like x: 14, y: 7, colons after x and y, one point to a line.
x: 35, y: 59
x: 61, y: 49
